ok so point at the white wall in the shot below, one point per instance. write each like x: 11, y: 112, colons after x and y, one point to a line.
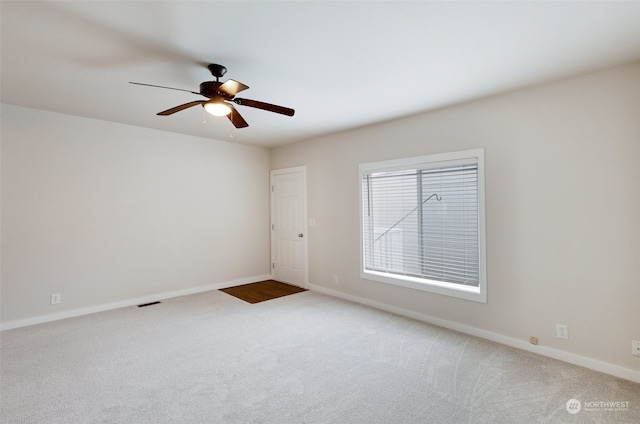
x: 103, y: 213
x: 563, y: 211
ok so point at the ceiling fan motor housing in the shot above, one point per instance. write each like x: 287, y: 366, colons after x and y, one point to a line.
x: 210, y: 89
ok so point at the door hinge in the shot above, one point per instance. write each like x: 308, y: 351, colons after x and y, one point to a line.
x: 273, y: 227
x: 273, y: 265
x: 272, y: 188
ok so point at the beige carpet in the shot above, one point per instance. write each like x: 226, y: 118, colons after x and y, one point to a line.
x: 308, y: 358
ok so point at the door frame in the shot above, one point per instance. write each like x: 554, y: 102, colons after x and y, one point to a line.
x: 305, y: 241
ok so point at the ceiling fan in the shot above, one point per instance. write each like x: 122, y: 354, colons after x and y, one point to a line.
x: 220, y: 95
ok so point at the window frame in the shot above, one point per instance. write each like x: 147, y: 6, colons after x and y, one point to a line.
x: 477, y: 294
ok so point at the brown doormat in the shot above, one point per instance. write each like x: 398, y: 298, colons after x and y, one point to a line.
x: 264, y: 290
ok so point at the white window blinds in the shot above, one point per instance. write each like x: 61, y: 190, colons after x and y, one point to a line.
x: 422, y: 221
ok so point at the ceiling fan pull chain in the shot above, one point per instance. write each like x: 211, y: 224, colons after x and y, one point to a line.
x: 204, y: 116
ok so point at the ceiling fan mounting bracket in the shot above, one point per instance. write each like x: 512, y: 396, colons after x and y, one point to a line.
x: 217, y: 70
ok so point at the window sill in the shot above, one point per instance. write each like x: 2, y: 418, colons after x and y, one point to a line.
x: 476, y: 294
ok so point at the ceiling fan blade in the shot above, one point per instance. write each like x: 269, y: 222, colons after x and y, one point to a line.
x: 236, y: 119
x: 232, y: 87
x: 161, y: 86
x: 181, y: 107
x: 265, y: 106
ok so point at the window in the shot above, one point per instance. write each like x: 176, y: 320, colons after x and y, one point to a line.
x: 423, y: 223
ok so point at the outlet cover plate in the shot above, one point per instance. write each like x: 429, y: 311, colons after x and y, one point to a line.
x: 562, y: 331
x: 635, y: 347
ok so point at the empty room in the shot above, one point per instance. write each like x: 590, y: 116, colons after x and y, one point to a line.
x: 319, y: 212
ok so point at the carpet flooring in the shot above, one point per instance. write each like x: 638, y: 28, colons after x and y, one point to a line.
x: 262, y: 291
x: 309, y: 358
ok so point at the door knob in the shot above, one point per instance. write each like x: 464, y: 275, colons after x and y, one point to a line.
x: 300, y: 235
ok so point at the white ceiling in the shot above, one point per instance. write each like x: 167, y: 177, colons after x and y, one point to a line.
x: 340, y: 65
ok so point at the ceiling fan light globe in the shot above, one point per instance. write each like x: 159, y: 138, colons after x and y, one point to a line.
x: 217, y: 108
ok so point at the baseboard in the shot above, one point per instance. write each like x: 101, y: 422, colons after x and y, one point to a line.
x: 129, y: 302
x: 572, y: 358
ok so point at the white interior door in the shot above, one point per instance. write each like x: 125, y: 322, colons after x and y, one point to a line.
x: 288, y: 226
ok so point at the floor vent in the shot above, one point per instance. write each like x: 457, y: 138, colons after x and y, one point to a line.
x: 147, y: 304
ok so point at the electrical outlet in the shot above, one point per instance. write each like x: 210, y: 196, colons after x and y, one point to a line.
x: 56, y: 298
x: 635, y: 347
x: 562, y: 331
x: 336, y: 280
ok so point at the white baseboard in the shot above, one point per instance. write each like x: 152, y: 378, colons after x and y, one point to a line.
x: 572, y: 358
x: 129, y: 302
